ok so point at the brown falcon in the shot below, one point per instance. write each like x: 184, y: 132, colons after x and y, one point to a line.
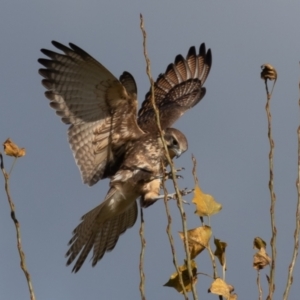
x: 109, y: 139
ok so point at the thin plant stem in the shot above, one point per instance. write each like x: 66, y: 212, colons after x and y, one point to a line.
x: 171, y: 240
x: 259, y: 286
x: 142, y: 254
x: 170, y: 162
x: 272, y: 194
x: 297, y: 229
x: 18, y: 229
x: 212, y: 257
x: 201, y: 273
x: 208, y: 248
x: 12, y: 166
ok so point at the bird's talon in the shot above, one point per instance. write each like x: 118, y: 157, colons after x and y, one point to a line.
x: 168, y: 175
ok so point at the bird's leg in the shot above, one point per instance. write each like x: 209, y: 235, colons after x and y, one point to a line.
x: 168, y: 175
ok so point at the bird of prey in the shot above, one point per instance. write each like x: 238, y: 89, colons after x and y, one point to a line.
x: 109, y: 139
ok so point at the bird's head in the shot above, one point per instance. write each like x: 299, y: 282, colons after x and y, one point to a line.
x: 176, y: 142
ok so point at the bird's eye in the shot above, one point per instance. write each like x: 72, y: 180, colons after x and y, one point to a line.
x: 175, y: 143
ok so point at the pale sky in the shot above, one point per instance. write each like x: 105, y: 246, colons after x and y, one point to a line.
x: 227, y: 132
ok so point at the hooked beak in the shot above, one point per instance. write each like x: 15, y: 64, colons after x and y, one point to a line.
x: 175, y: 153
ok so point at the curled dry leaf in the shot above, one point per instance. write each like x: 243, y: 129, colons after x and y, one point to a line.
x: 268, y: 72
x: 174, y: 278
x: 260, y: 258
x: 221, y: 288
x: 205, y: 203
x: 233, y: 297
x: 22, y: 152
x: 259, y: 243
x: 198, y: 239
x: 220, y: 251
x: 11, y: 149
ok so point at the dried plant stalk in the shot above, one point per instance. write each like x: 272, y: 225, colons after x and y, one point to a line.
x: 272, y: 194
x: 259, y: 285
x: 170, y: 162
x: 18, y: 229
x: 208, y: 248
x: 142, y: 254
x: 171, y: 240
x: 297, y: 229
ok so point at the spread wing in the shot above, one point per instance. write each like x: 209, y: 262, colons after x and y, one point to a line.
x: 100, y: 109
x: 177, y: 90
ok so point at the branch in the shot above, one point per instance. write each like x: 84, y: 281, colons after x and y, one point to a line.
x: 141, y: 266
x: 208, y: 248
x: 272, y: 193
x: 297, y: 229
x: 171, y: 240
x: 259, y: 285
x: 17, y: 226
x: 173, y: 170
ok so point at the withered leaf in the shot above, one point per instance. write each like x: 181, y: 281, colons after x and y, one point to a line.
x: 261, y: 259
x: 220, y: 287
x: 220, y: 251
x: 205, y: 203
x: 174, y: 278
x: 259, y: 243
x: 198, y: 239
x: 268, y: 72
x: 11, y: 149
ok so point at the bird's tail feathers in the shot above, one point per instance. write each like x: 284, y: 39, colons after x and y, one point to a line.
x: 100, y: 229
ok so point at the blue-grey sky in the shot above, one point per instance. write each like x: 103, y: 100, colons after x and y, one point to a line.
x: 227, y: 132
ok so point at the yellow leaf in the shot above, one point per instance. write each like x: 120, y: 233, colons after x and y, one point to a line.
x: 11, y: 149
x: 220, y: 287
x: 198, y: 239
x: 205, y: 203
x: 220, y: 251
x: 174, y: 278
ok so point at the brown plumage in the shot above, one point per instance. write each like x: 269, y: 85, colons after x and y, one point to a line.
x: 108, y: 139
x: 178, y: 89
